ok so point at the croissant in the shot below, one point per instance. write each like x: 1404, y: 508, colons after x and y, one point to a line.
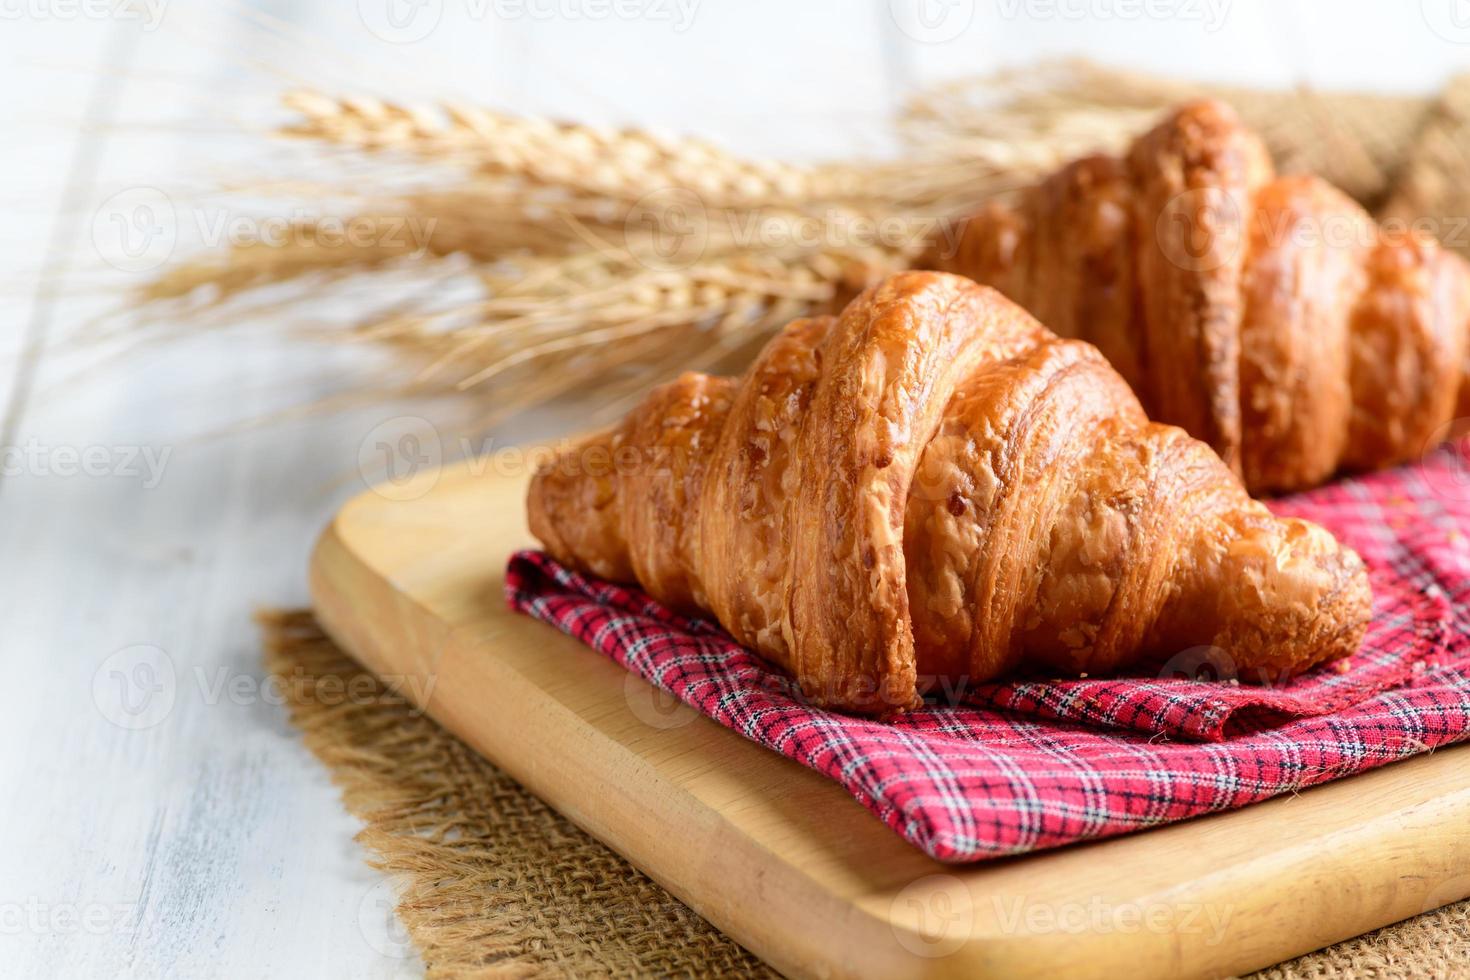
x: 1268, y: 316
x: 934, y: 486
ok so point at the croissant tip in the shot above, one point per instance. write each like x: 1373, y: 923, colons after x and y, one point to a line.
x: 1209, y: 111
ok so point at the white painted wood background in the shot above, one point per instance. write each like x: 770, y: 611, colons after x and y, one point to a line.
x: 199, y: 838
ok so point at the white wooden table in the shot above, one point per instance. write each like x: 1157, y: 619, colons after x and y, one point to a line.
x: 162, y: 818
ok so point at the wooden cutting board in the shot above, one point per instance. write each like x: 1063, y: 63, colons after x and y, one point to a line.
x: 408, y: 579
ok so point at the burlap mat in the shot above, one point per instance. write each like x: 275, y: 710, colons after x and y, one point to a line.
x: 494, y: 883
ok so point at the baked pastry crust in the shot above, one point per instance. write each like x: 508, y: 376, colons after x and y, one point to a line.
x: 932, y: 486
x: 1268, y: 316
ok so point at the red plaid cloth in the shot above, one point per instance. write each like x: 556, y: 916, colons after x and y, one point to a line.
x: 1028, y: 765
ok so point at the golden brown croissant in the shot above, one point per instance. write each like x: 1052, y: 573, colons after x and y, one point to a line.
x: 933, y: 485
x: 1268, y: 316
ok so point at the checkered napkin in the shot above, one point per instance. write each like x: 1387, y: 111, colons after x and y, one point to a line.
x: 1032, y: 764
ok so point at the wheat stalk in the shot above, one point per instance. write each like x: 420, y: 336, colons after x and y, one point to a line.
x: 589, y: 160
x: 565, y: 230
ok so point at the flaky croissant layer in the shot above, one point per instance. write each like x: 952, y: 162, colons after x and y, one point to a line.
x: 933, y: 485
x: 1268, y: 316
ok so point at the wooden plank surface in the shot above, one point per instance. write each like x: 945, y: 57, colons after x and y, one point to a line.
x: 211, y: 843
x: 409, y: 579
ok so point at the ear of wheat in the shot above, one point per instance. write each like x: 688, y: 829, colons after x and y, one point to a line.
x: 601, y: 260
